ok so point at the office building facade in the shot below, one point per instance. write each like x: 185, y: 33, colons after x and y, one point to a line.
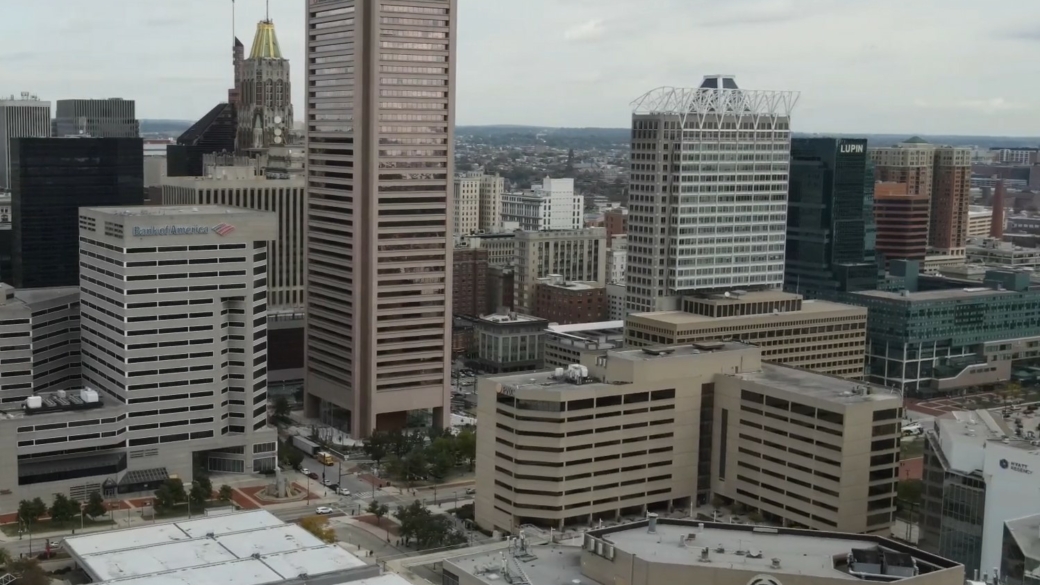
x: 979, y: 472
x: 242, y: 187
x: 40, y: 341
x: 941, y: 340
x: 828, y: 218
x: 478, y: 203
x: 174, y: 326
x: 501, y: 247
x: 902, y: 222
x: 379, y: 267
x: 553, y: 205
x: 600, y: 442
x: 821, y: 336
x: 617, y: 258
x: 567, y: 302
x: 470, y: 282
x: 52, y: 178
x: 211, y: 134
x: 943, y: 173
x: 808, y: 450
x: 24, y: 117
x: 698, y: 219
x: 108, y: 118
x: 572, y: 254
x: 509, y: 342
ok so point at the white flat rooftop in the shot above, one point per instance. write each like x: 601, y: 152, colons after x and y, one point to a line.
x: 172, y: 210
x: 245, y: 548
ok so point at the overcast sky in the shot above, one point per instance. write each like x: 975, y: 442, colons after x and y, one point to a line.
x: 900, y: 66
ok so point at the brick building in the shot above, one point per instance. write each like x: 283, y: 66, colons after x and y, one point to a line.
x: 562, y: 302
x: 469, y: 282
x: 902, y: 221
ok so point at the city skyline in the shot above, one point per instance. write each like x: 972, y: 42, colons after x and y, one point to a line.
x: 596, y: 53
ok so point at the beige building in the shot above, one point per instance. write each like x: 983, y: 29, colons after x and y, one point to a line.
x: 665, y: 551
x: 380, y: 168
x: 806, y: 449
x: 501, y: 246
x: 478, y: 203
x: 599, y: 440
x: 241, y: 186
x: 821, y: 336
x: 980, y: 219
x: 573, y: 254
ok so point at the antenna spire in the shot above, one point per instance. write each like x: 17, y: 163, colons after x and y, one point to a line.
x: 268, y: 10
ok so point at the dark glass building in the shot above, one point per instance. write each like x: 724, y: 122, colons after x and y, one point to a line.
x: 830, y: 222
x: 51, y: 178
x: 213, y: 133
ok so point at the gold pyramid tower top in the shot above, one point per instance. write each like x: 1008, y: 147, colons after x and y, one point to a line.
x: 265, y: 43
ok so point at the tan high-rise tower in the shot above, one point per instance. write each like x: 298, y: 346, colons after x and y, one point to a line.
x: 380, y: 127
x: 943, y: 174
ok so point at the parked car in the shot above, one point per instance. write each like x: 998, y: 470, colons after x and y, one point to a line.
x: 312, y: 475
x: 304, y: 470
x: 471, y: 491
x: 327, y: 482
x: 323, y: 510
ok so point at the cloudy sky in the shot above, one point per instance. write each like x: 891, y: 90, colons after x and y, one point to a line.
x: 900, y: 66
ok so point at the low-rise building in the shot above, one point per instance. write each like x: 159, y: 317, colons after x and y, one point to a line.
x: 565, y: 302
x: 599, y: 440
x: 980, y: 219
x: 821, y: 336
x: 664, y: 551
x: 806, y: 449
x: 501, y: 246
x: 572, y: 344
x: 979, y: 471
x: 509, y: 342
x: 993, y: 252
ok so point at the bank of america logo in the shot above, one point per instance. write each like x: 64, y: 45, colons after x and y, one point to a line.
x: 223, y: 229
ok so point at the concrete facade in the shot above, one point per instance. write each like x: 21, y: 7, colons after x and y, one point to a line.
x: 573, y: 254
x: 509, y: 342
x: 174, y: 313
x: 381, y: 118
x: 242, y: 188
x: 553, y: 205
x: 806, y: 449
x: 25, y: 117
x: 39, y: 341
x: 478, y: 203
x: 821, y: 336
x: 696, y: 224
x: 557, y: 450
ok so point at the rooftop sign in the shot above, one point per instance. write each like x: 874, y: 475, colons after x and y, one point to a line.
x: 222, y: 229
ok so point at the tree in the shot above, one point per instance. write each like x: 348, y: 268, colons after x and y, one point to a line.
x: 206, y: 484
x: 95, y: 505
x: 29, y: 511
x: 319, y: 526
x: 289, y: 456
x: 739, y: 508
x: 466, y: 444
x: 225, y: 493
x: 376, y: 446
x: 414, y: 466
x: 63, y: 509
x: 755, y: 516
x: 440, y: 465
x: 199, y: 494
x: 29, y: 572
x: 5, y: 557
x: 378, y: 510
x: 282, y: 410
x: 717, y: 502
x: 170, y: 493
x: 910, y: 490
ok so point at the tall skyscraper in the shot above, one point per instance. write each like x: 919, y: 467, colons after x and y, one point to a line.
x: 902, y: 222
x: 708, y: 191
x: 51, y: 179
x: 211, y: 134
x: 380, y: 128
x: 943, y: 173
x: 174, y: 331
x: 108, y: 118
x: 827, y: 218
x: 22, y: 117
x: 265, y: 112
